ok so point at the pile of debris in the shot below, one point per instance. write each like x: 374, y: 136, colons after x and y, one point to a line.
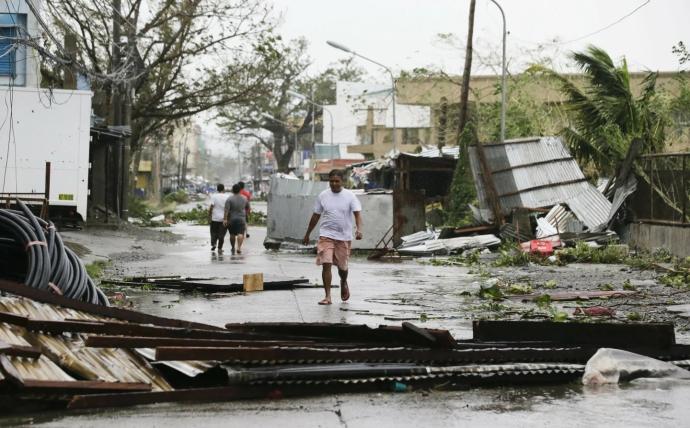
x: 62, y: 353
x: 531, y: 191
x: 32, y: 251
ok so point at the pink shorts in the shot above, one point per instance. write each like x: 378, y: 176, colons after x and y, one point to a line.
x: 332, y: 251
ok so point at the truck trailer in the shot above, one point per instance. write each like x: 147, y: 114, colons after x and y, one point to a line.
x: 44, y: 148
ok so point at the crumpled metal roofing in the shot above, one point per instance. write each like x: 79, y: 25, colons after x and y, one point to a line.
x: 68, y: 352
x: 539, y: 173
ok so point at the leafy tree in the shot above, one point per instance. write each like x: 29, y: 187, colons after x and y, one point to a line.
x: 174, y: 59
x: 605, y: 115
x: 274, y: 110
x: 462, y: 190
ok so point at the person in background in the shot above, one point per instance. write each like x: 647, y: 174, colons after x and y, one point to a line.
x: 216, y: 212
x: 235, y: 218
x: 337, y: 206
x: 247, y: 194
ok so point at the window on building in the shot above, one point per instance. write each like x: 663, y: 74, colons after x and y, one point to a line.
x: 12, y: 53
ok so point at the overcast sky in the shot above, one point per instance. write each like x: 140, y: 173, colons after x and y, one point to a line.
x: 403, y: 33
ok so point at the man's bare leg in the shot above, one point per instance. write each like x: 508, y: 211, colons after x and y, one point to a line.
x: 344, y: 288
x: 327, y: 277
x: 240, y: 240
x: 232, y: 243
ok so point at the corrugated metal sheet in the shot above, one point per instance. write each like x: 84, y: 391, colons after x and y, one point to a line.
x: 521, y: 184
x: 188, y: 368
x: 453, y: 152
x: 69, y: 352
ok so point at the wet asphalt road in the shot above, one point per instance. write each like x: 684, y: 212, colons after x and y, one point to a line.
x: 381, y: 293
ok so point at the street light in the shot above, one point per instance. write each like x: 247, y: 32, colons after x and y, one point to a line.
x: 503, y: 76
x: 348, y: 50
x: 307, y: 99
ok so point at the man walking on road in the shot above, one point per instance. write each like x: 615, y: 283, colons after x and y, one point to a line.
x: 337, y: 206
x: 215, y: 215
x: 244, y: 192
x: 235, y: 218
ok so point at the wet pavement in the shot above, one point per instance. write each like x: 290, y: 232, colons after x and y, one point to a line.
x: 382, y: 293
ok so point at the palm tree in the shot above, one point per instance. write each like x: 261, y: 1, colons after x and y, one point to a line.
x: 605, y: 114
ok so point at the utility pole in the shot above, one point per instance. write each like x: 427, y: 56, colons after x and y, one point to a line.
x: 120, y: 114
x: 464, y: 95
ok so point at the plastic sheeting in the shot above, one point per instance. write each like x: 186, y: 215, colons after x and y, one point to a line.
x: 610, y: 366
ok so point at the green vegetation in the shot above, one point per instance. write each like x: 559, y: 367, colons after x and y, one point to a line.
x: 462, y: 190
x: 198, y: 215
x: 256, y: 218
x: 180, y: 197
x: 605, y: 115
x: 95, y: 269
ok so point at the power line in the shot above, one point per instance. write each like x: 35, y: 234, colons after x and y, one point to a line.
x: 577, y: 39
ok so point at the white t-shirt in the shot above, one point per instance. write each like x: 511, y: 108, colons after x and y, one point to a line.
x: 336, y: 213
x: 218, y: 204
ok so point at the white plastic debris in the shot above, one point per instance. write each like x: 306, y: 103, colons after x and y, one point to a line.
x: 609, y: 366
x: 158, y: 218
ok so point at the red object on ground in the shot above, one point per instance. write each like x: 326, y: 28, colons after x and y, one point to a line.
x: 595, y: 311
x: 541, y: 247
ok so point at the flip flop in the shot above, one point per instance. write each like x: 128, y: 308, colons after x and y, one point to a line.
x: 344, y: 292
x: 325, y: 302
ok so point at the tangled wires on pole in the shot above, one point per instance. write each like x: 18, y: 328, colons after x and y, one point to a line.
x: 32, y: 252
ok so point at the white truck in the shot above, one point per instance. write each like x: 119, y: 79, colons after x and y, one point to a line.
x: 39, y: 126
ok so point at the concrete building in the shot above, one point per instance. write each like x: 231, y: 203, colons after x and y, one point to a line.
x: 426, y: 110
x: 19, y: 63
x: 363, y: 121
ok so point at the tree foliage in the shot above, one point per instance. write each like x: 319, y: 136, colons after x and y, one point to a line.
x: 175, y: 58
x: 605, y: 115
x: 274, y: 109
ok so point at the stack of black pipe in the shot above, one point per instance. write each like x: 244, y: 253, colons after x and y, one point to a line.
x: 32, y: 252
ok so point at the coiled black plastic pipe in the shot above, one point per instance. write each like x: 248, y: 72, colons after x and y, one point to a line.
x: 47, y: 263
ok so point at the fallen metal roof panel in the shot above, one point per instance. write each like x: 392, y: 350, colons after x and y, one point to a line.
x: 539, y: 173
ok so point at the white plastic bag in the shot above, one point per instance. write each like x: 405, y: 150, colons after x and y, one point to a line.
x: 615, y: 365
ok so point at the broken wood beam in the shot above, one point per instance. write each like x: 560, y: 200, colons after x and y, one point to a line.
x: 657, y: 335
x: 130, y: 329
x: 341, y: 332
x: 154, y: 342
x: 19, y: 350
x: 311, y: 355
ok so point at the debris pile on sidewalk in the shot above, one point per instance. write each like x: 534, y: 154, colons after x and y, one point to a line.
x: 32, y: 252
x: 62, y: 353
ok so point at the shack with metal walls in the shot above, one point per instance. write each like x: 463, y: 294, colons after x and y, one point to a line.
x: 291, y: 204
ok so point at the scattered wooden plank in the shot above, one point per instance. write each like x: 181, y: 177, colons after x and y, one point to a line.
x: 13, y: 319
x: 130, y: 329
x: 659, y: 336
x: 153, y: 342
x: 18, y: 350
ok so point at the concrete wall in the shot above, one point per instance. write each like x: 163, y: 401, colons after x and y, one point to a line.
x: 650, y: 236
x: 291, y: 204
